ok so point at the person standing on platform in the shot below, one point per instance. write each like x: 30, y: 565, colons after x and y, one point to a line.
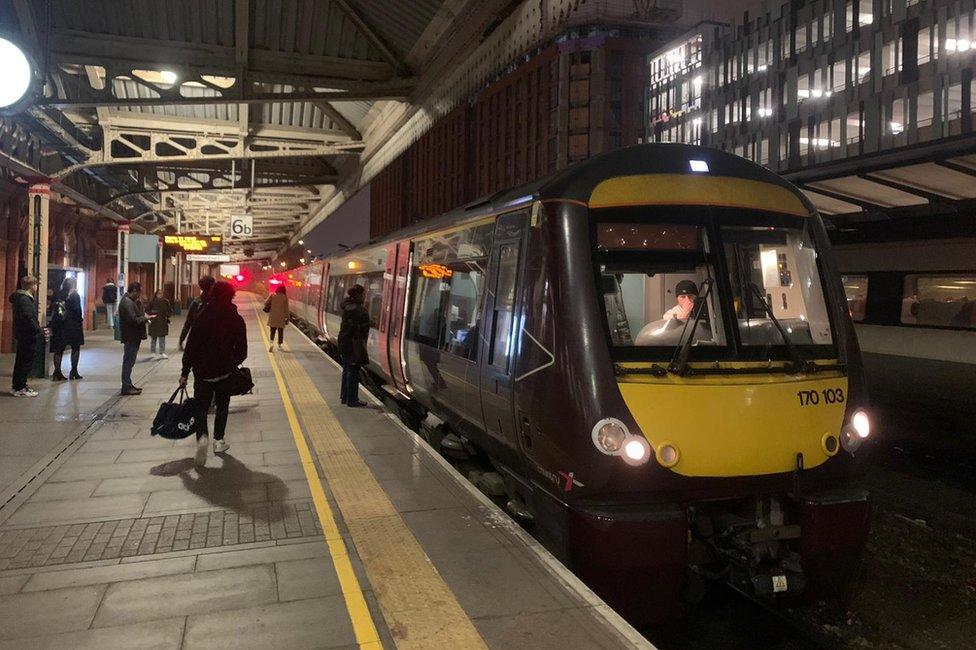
x: 132, y: 328
x: 353, y: 332
x: 277, y: 308
x: 26, y: 330
x: 67, y: 329
x: 110, y: 296
x: 161, y: 310
x: 217, y: 345
x: 206, y: 283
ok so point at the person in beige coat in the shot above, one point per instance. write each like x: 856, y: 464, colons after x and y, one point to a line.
x: 276, y: 306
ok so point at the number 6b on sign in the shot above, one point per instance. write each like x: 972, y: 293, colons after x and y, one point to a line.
x: 242, y: 226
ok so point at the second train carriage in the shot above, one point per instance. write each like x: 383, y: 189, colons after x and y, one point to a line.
x: 535, y: 327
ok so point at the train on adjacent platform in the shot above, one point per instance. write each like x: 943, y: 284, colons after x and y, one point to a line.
x: 647, y: 357
x: 914, y: 308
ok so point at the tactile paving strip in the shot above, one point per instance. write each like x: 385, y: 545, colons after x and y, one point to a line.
x: 107, y: 540
x: 420, y: 609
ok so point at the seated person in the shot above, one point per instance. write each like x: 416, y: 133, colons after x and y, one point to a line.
x: 670, y: 327
x: 686, y: 292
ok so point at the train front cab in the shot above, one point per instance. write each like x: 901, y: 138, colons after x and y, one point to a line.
x: 733, y: 453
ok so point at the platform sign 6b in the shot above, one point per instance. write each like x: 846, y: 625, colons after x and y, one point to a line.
x: 242, y: 226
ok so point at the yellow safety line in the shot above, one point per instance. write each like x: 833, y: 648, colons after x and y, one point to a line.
x: 362, y: 620
x: 420, y: 609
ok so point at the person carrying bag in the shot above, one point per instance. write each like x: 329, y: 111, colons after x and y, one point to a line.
x: 175, y: 421
x: 215, y: 349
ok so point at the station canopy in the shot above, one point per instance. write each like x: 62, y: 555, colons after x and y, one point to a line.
x: 187, y: 112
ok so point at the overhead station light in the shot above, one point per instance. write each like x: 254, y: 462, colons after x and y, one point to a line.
x: 16, y: 75
x: 169, y: 76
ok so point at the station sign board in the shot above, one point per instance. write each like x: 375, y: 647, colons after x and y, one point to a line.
x: 242, y: 226
x: 204, y: 244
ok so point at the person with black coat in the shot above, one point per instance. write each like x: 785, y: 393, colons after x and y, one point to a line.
x: 67, y: 329
x: 132, y: 331
x: 205, y: 283
x: 110, y: 296
x: 353, y: 332
x: 216, y: 346
x: 27, y: 329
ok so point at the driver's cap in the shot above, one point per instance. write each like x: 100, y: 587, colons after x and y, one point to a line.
x: 686, y: 288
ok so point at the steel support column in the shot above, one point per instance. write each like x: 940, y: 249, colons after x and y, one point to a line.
x: 39, y: 196
x: 121, y: 269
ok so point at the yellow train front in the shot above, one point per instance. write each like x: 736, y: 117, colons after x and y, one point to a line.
x: 689, y: 387
x: 651, y: 355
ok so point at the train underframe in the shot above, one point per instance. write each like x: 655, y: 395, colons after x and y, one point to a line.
x: 651, y: 561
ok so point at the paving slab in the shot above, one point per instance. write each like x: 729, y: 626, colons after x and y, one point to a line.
x: 315, y: 623
x: 185, y: 594
x: 47, y: 612
x: 152, y: 635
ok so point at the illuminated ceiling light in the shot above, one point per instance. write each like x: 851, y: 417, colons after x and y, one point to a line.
x: 168, y: 76
x: 15, y: 74
x: 301, y: 242
x: 282, y: 265
x: 698, y: 166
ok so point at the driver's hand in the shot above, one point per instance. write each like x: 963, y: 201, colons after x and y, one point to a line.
x: 182, y: 381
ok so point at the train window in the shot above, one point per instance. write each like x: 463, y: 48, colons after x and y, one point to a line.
x: 504, y: 306
x: 373, y: 282
x: 939, y: 300
x: 856, y: 288
x: 445, y: 305
x: 778, y: 267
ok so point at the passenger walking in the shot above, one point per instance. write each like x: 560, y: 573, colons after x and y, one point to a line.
x: 132, y: 329
x: 205, y: 283
x: 276, y: 307
x: 110, y: 296
x: 26, y: 330
x: 353, y: 332
x: 215, y: 348
x: 67, y: 329
x: 161, y: 310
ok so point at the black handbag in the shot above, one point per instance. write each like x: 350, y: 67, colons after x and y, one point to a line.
x: 239, y: 382
x: 177, y: 420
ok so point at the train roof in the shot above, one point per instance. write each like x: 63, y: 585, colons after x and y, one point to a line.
x: 578, y: 182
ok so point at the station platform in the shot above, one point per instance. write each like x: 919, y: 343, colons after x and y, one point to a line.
x: 320, y: 527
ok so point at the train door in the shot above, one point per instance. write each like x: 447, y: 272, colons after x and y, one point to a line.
x: 500, y: 316
x: 401, y: 275
x: 385, y: 325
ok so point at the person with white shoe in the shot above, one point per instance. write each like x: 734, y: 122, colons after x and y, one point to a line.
x: 215, y: 347
x: 27, y: 329
x: 162, y: 310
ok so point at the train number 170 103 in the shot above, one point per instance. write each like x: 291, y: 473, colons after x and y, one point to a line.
x: 825, y: 396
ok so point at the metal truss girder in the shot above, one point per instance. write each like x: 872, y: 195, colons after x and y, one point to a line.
x: 78, y: 92
x: 147, y: 147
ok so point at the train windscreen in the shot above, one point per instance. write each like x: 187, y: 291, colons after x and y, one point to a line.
x: 774, y: 269
x: 732, y: 282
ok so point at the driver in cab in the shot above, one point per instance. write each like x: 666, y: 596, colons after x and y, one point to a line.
x: 686, y: 292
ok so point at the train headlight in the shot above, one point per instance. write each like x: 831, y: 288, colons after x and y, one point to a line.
x: 609, y: 435
x: 861, y: 424
x: 849, y: 439
x: 612, y: 438
x: 636, y: 451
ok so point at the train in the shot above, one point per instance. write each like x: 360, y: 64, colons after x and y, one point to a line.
x: 914, y: 309
x: 648, y: 358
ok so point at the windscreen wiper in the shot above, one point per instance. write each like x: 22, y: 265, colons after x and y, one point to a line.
x: 799, y: 363
x: 679, y: 362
